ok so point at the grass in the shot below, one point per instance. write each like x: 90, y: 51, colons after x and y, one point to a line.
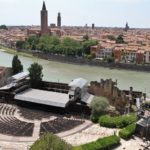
x: 14, y: 52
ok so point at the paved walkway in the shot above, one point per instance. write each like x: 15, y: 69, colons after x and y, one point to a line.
x: 36, y: 130
x: 76, y: 130
x: 132, y: 144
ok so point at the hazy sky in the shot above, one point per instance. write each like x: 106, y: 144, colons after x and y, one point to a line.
x: 77, y: 12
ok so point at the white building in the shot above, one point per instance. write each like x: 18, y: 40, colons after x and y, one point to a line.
x: 104, y: 53
x: 147, y: 57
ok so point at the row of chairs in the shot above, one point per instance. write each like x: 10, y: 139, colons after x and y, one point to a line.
x: 7, y: 109
x: 32, y: 114
x: 59, y: 124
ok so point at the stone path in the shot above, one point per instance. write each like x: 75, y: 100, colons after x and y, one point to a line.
x: 132, y: 144
x: 36, y: 130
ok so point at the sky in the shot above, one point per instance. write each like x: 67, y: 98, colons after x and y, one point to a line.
x: 103, y: 13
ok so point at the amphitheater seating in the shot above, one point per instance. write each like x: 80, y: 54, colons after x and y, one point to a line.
x: 10, y: 125
x: 59, y: 124
x: 32, y: 114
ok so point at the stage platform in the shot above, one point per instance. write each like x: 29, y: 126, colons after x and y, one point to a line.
x: 43, y: 97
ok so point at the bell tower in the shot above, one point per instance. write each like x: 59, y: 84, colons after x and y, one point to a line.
x: 59, y: 20
x: 44, y: 20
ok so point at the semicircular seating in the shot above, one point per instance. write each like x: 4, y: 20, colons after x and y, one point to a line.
x: 10, y: 125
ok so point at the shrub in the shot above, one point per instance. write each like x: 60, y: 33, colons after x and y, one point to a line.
x: 110, y: 59
x: 50, y: 142
x: 98, y: 106
x: 117, y: 122
x: 105, y: 143
x: 17, y: 67
x: 127, y: 132
x: 35, y: 74
x: 94, y: 118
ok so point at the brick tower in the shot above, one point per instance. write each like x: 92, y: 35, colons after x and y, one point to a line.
x: 59, y: 20
x: 44, y: 20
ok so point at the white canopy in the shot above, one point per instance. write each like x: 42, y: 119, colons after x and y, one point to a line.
x: 79, y: 82
x: 43, y: 97
x: 20, y: 76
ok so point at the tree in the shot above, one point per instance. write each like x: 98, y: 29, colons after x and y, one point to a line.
x: 35, y: 74
x: 87, y: 45
x: 98, y: 106
x: 120, y: 39
x: 86, y: 37
x: 50, y: 141
x: 33, y: 41
x: 110, y: 59
x: 111, y: 37
x: 3, y: 27
x: 17, y: 67
x: 20, y: 44
x: 71, y: 47
x: 48, y: 43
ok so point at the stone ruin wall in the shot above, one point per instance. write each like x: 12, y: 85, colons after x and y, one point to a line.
x: 108, y: 88
x: 4, y: 74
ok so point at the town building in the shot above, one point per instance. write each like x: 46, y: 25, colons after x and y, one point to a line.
x: 44, y: 20
x: 44, y: 28
x: 147, y: 56
x: 59, y: 20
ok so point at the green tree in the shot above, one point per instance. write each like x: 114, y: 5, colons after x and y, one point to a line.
x: 111, y: 37
x: 17, y: 67
x: 33, y: 41
x: 50, y: 142
x: 120, y: 39
x: 86, y: 37
x: 20, y: 44
x: 3, y: 27
x: 35, y: 74
x: 48, y: 43
x: 98, y: 106
x: 87, y: 46
x: 110, y: 59
x: 71, y: 47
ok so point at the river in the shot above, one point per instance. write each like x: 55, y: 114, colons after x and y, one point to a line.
x: 61, y: 72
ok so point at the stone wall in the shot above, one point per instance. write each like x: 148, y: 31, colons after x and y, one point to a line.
x: 108, y: 88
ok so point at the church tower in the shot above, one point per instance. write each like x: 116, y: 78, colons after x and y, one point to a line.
x: 59, y: 20
x: 44, y: 20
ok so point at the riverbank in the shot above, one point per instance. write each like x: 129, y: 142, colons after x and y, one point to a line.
x: 96, y: 63
x: 79, y: 61
x: 14, y: 52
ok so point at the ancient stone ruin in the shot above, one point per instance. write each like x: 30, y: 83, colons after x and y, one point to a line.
x: 120, y: 99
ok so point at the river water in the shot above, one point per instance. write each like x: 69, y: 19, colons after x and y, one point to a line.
x: 61, y: 72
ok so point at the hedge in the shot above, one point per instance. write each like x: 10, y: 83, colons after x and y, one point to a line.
x: 117, y: 122
x: 94, y: 118
x: 105, y: 143
x: 128, y: 131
